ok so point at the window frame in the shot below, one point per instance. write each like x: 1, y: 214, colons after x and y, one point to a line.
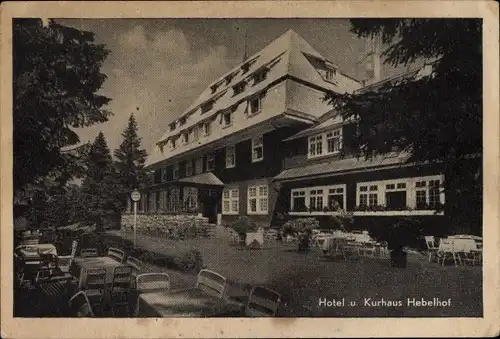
x: 325, y: 194
x: 233, y: 195
x: 257, y: 98
x: 257, y: 142
x: 208, y: 168
x: 258, y: 199
x: 233, y: 164
x: 321, y: 143
x: 224, y: 123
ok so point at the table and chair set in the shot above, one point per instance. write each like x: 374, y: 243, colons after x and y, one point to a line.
x: 460, y: 249
x: 351, y: 246
x: 90, y: 285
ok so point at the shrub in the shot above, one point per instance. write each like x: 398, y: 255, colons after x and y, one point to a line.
x: 300, y: 225
x: 192, y: 260
x: 243, y: 225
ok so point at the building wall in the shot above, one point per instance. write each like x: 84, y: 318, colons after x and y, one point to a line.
x: 303, y: 98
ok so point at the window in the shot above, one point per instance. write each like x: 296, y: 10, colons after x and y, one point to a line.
x: 239, y: 88
x: 259, y: 76
x: 207, y: 106
x: 330, y: 74
x: 316, y: 200
x: 186, y: 138
x: 257, y: 149
x: 230, y: 157
x: 189, y: 168
x: 190, y: 198
x: 245, y: 67
x: 164, y: 174
x: 257, y: 199
x: 395, y: 196
x: 210, y: 162
x: 172, y: 126
x: 333, y: 141
x: 198, y: 166
x: 196, y: 133
x: 368, y: 195
x: 182, y: 121
x: 227, y: 118
x: 173, y: 143
x: 152, y: 202
x: 315, y: 145
x: 213, y: 89
x: 255, y: 105
x: 230, y: 77
x: 162, y: 204
x: 336, y: 198
x: 175, y: 172
x: 325, y: 143
x: 173, y: 198
x: 299, y: 201
x: 207, y: 128
x: 230, y: 201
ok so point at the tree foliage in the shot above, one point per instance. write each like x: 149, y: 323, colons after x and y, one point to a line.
x: 130, y: 160
x: 56, y: 77
x: 436, y: 116
x: 100, y: 187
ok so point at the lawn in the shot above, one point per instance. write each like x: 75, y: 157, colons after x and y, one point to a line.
x: 305, y: 278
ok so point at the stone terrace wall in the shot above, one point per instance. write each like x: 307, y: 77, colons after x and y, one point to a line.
x: 154, y: 221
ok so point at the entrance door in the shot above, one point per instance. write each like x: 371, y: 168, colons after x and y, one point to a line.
x: 210, y: 208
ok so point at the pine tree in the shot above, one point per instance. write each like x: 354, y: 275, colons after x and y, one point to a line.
x: 100, y: 187
x: 130, y: 160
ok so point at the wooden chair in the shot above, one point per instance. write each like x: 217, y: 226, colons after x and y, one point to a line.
x: 432, y: 248
x: 211, y: 282
x: 116, y: 254
x: 262, y: 302
x: 120, y: 290
x: 89, y: 252
x: 80, y: 305
x: 64, y: 262
x: 148, y: 282
x: 446, y: 251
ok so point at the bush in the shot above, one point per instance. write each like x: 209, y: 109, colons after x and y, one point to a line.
x: 300, y: 225
x: 192, y: 260
x: 244, y: 225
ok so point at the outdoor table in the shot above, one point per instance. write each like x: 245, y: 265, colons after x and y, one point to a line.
x: 80, y: 266
x: 32, y: 252
x: 190, y: 302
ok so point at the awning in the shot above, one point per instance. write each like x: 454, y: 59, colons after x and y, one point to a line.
x: 207, y: 178
x: 344, y: 166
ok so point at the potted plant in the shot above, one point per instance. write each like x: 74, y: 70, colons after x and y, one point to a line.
x: 302, y: 227
x: 398, y: 236
x: 242, y: 226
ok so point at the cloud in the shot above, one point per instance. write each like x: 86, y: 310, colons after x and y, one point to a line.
x: 159, y: 72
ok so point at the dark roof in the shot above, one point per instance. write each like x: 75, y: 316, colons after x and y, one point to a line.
x: 344, y: 165
x: 207, y: 178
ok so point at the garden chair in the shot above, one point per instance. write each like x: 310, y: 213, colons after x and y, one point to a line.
x: 432, y: 248
x: 446, y: 251
x: 351, y: 251
x: 95, y: 285
x: 148, y: 282
x: 116, y: 254
x: 262, y: 302
x: 121, y: 288
x: 88, y: 252
x: 80, y: 305
x: 466, y: 250
x: 337, y: 250
x: 136, y: 265
x: 64, y: 261
x: 211, y: 282
x: 368, y: 250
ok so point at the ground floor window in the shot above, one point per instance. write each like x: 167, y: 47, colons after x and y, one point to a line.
x: 190, y: 198
x: 174, y: 199
x: 318, y: 198
x: 257, y: 199
x: 230, y: 201
x: 401, y: 193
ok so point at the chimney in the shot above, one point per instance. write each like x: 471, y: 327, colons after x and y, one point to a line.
x: 373, y: 64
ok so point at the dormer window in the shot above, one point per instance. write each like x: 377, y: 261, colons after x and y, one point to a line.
x: 172, y: 143
x: 172, y: 126
x: 330, y: 74
x: 245, y: 68
x: 260, y: 76
x: 213, y: 89
x: 230, y: 78
x: 207, y: 106
x: 255, y: 104
x: 186, y: 138
x: 182, y: 121
x: 226, y: 119
x: 207, y: 128
x: 239, y: 88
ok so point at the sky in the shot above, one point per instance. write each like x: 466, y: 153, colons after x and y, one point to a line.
x: 158, y: 67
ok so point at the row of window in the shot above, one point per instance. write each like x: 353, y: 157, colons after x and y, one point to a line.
x: 257, y: 200
x: 325, y: 143
x: 168, y: 200
x: 257, y: 151
x: 419, y: 193
x: 205, y: 127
